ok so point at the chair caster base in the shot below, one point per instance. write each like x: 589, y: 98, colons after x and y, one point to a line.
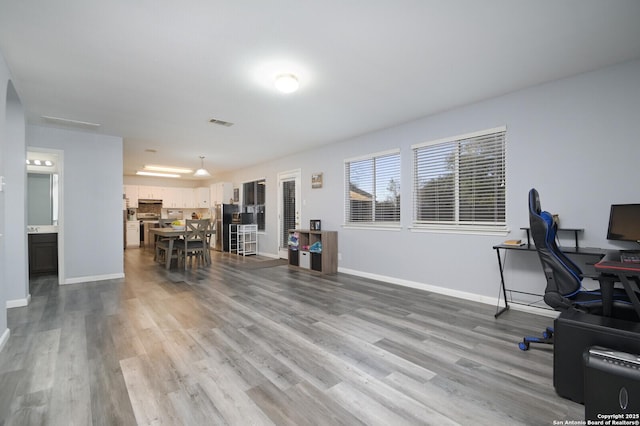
x: 547, y: 338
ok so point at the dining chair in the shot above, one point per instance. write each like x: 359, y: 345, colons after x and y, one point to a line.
x: 195, y: 243
x: 161, y: 244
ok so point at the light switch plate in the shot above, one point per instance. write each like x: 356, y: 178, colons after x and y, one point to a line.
x: 1, y: 183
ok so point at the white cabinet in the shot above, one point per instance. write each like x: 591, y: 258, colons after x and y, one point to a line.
x: 131, y: 195
x: 221, y: 193
x: 203, y: 198
x: 150, y: 192
x: 169, y: 198
x: 178, y: 198
x: 172, y: 198
x: 188, y: 197
x: 243, y: 239
x: 133, y: 233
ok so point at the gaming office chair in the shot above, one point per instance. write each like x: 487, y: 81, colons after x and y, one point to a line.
x: 564, y: 278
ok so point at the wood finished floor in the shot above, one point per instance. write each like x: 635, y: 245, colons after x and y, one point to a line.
x: 238, y: 345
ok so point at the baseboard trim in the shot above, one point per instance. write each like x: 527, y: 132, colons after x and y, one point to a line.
x: 19, y: 303
x: 4, y: 338
x: 93, y: 278
x: 448, y: 292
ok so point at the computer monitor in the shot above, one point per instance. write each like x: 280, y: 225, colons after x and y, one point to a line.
x: 624, y: 222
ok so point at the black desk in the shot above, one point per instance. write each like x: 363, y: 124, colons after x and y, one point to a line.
x: 610, y: 266
x: 584, y: 251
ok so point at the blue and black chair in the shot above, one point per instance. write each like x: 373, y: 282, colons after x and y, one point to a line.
x: 564, y: 290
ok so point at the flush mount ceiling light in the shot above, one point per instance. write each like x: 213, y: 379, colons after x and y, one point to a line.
x: 201, y: 172
x: 287, y: 83
x: 154, y: 168
x: 157, y: 174
x: 70, y: 122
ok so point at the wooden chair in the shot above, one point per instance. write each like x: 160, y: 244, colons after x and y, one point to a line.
x: 195, y: 243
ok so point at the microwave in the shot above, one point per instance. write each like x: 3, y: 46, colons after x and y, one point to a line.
x: 242, y: 218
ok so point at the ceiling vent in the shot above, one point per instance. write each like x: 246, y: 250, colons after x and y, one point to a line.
x: 71, y: 123
x: 220, y: 122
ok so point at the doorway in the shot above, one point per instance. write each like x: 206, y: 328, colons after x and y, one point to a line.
x: 44, y: 212
x: 288, y: 208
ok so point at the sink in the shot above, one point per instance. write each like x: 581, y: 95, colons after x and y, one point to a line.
x: 42, y: 229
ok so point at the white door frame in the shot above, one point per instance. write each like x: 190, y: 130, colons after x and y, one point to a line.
x: 60, y: 167
x: 295, y: 175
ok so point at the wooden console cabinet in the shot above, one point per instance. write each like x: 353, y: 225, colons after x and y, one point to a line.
x: 325, y: 262
x: 43, y: 254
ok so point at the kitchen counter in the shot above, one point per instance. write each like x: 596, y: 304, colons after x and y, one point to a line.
x: 42, y: 229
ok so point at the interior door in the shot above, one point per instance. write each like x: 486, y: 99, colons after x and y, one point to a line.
x: 288, y: 207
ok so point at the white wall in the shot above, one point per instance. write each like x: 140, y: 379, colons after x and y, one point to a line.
x: 575, y: 140
x: 91, y: 219
x: 4, y: 82
x: 92, y: 201
x: 15, y: 234
x: 13, y: 278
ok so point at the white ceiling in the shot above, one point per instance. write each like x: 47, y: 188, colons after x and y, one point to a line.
x: 154, y: 72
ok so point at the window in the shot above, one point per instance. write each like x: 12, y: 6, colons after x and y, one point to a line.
x: 253, y: 200
x: 459, y: 183
x: 372, y: 193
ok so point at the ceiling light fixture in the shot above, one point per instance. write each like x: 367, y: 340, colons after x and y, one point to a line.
x: 287, y: 83
x: 38, y: 162
x: 157, y: 174
x: 155, y: 168
x: 70, y: 122
x: 201, y: 172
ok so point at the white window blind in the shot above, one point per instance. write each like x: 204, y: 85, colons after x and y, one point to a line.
x: 372, y: 192
x: 460, y: 182
x: 288, y: 218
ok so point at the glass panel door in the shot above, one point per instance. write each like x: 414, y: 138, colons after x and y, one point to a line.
x: 288, y: 207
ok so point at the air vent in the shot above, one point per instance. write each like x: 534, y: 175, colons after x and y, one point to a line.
x: 220, y: 122
x: 71, y: 123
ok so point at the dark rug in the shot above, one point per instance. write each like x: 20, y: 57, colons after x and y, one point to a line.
x: 262, y: 264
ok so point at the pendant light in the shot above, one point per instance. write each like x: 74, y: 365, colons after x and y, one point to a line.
x: 201, y: 172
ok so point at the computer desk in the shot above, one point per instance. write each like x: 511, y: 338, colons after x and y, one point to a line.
x: 502, y: 249
x: 609, y: 266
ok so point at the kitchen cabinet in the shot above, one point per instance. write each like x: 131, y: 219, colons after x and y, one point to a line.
x: 133, y: 233
x: 221, y: 193
x: 131, y: 195
x: 202, y: 198
x: 188, y: 197
x: 43, y: 254
x: 169, y: 198
x: 172, y: 198
x: 178, y: 198
x: 150, y: 192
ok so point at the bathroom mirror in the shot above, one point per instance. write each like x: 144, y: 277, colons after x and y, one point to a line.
x: 42, y: 196
x: 42, y: 189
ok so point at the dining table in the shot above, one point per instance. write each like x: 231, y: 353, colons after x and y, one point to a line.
x: 172, y: 234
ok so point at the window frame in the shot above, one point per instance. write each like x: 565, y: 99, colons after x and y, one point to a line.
x: 255, y: 205
x: 459, y: 226
x: 373, y: 224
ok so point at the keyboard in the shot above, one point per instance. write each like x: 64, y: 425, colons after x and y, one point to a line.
x: 630, y: 257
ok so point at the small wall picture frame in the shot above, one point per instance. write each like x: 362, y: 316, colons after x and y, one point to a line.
x: 236, y: 195
x: 314, y: 225
x: 316, y: 180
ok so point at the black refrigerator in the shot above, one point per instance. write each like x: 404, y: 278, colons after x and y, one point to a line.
x: 224, y: 214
